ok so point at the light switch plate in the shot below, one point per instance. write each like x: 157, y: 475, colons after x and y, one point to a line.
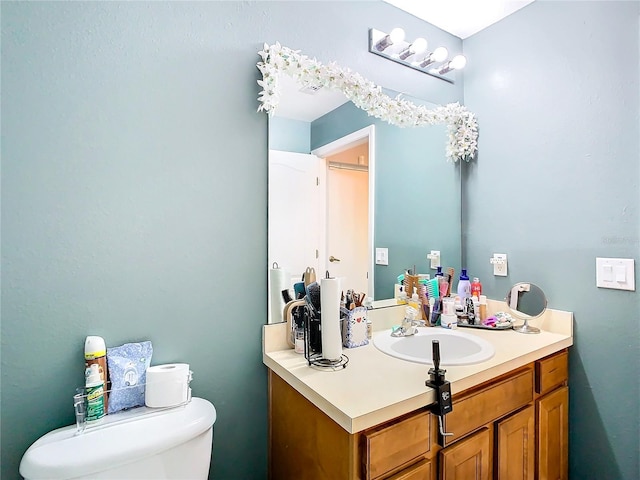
x: 616, y: 273
x: 382, y: 256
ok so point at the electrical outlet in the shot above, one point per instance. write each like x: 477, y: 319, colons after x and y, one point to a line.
x: 434, y: 256
x: 499, y: 262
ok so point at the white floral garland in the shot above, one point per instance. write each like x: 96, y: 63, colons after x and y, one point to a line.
x: 461, y: 124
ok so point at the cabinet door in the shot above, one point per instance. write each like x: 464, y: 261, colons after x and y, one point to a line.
x: 516, y: 446
x: 468, y: 459
x: 553, y: 435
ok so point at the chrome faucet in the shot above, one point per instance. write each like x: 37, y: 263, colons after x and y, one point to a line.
x: 409, y: 324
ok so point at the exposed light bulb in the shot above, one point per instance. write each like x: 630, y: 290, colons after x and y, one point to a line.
x: 418, y: 46
x: 396, y: 36
x: 440, y: 54
x: 458, y: 62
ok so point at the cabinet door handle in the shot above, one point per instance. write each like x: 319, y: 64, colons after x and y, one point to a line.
x: 333, y: 259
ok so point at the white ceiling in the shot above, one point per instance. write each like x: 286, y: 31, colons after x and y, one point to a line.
x: 461, y: 18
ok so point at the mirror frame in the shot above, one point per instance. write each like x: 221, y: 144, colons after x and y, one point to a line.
x: 462, y: 126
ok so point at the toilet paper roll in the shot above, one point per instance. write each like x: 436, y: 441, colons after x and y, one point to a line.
x: 167, y: 385
x: 330, y: 318
x: 279, y: 280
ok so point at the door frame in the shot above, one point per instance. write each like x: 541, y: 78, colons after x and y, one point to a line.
x: 337, y: 146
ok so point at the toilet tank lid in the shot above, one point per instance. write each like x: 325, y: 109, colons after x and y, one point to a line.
x: 121, y: 438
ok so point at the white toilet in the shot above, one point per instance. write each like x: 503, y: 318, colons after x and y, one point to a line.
x: 141, y: 443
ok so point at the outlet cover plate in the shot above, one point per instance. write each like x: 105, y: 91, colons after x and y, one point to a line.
x: 499, y: 261
x: 616, y: 273
x: 382, y: 256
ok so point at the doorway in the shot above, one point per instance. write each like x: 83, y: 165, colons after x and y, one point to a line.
x: 349, y: 196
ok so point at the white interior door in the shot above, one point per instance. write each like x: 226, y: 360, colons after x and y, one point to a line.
x: 296, y: 221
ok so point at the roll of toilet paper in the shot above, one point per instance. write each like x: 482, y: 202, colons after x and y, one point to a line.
x: 167, y: 385
x: 330, y: 318
x: 279, y: 280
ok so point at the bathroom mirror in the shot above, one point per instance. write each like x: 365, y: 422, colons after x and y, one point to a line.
x: 526, y: 301
x: 413, y: 204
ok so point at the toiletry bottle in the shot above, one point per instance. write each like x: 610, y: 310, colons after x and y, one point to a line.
x: 402, y: 299
x: 483, y: 308
x: 415, y: 302
x: 434, y: 307
x: 476, y: 288
x: 470, y: 309
x: 94, y: 388
x: 95, y: 352
x: 299, y: 340
x: 464, y: 286
x: 476, y: 310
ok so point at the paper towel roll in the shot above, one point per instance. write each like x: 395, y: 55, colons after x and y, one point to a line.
x: 167, y: 385
x: 330, y: 318
x: 279, y: 280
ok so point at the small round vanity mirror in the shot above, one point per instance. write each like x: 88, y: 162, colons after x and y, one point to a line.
x: 526, y: 301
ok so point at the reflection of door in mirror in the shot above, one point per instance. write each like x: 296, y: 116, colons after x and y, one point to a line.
x: 347, y: 224
x: 319, y: 212
x: 294, y: 212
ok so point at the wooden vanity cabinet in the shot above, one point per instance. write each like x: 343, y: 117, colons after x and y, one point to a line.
x: 513, y: 427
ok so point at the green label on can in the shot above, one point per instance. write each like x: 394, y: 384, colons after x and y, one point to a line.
x: 95, y: 403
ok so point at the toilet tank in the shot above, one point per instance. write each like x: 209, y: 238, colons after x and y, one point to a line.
x: 141, y: 443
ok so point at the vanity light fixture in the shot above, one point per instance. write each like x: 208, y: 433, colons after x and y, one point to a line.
x: 394, y: 47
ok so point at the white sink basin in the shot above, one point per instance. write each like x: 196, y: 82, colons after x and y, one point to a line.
x: 456, y: 348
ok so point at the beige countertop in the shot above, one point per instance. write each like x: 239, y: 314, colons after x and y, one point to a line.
x: 375, y: 387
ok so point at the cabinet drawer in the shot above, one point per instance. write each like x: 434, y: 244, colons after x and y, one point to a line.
x: 551, y: 372
x: 389, y: 447
x: 489, y: 403
x: 423, y: 470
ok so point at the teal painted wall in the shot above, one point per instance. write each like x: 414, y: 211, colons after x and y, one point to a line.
x: 556, y: 184
x: 134, y: 194
x: 289, y: 135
